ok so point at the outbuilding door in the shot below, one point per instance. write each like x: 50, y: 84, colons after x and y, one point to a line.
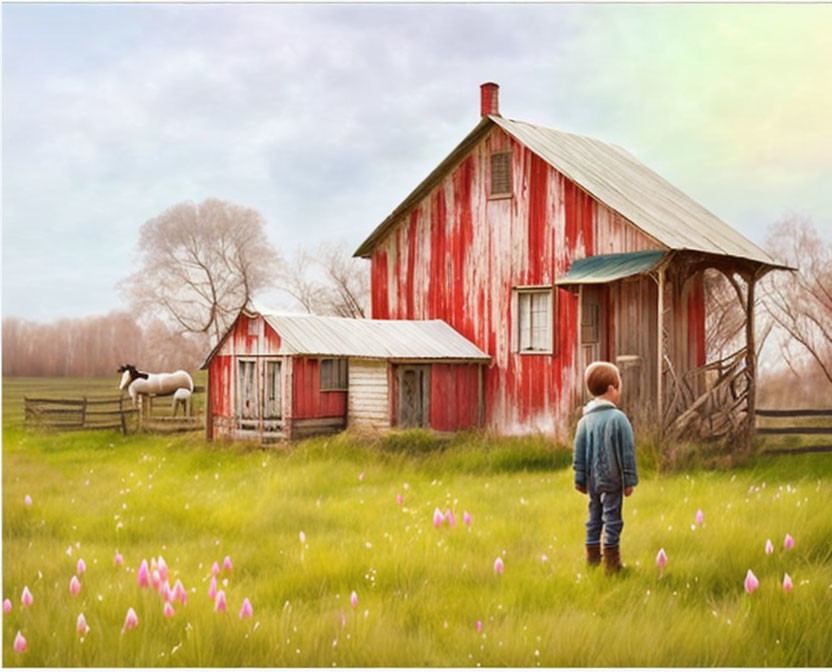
x: 593, y: 329
x: 413, y: 402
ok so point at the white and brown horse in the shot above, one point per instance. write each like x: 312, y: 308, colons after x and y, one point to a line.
x: 139, y: 382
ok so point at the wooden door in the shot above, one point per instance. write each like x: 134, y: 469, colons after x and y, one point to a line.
x: 593, y: 330
x: 413, y: 403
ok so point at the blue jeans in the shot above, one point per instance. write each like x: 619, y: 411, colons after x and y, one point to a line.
x: 604, y: 512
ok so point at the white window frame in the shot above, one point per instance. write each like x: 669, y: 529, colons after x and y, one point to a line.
x: 535, y: 336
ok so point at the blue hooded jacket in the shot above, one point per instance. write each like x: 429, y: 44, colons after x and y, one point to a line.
x: 605, y: 452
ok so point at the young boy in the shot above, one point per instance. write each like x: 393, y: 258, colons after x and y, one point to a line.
x: 604, y: 463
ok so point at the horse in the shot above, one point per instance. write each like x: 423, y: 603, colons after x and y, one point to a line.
x: 182, y: 396
x: 139, y: 382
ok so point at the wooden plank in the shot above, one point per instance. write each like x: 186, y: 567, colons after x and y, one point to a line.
x: 797, y: 413
x: 67, y: 402
x: 794, y: 430
x: 802, y: 450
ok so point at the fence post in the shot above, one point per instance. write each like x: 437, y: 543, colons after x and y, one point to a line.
x: 121, y: 416
x: 84, y: 413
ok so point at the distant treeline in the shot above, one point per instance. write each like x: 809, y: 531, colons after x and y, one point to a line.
x: 96, y: 346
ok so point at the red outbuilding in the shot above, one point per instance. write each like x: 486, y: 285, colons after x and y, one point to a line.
x: 549, y: 250
x: 275, y: 376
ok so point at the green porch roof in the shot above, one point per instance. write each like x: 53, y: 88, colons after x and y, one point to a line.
x: 605, y: 268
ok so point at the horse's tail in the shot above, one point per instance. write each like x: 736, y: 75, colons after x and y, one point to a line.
x: 190, y: 381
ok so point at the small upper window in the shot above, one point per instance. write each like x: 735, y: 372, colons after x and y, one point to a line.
x: 501, y: 174
x: 333, y: 374
x: 534, y: 310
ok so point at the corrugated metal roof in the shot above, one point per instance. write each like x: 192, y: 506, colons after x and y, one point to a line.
x: 615, y: 177
x: 612, y: 176
x: 604, y: 268
x: 377, y: 339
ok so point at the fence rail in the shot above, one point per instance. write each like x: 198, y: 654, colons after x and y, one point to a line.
x: 88, y: 413
x: 797, y: 429
x: 76, y: 414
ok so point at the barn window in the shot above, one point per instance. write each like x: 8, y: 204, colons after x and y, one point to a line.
x: 501, y: 174
x: 534, y: 313
x: 247, y: 389
x: 590, y: 323
x: 333, y: 375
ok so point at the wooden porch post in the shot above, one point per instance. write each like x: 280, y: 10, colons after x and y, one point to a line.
x: 659, y: 349
x: 751, y: 360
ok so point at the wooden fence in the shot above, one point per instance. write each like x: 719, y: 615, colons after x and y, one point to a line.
x: 797, y: 429
x: 77, y: 414
x: 88, y: 413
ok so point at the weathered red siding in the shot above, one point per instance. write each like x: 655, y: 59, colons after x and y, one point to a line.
x: 219, y: 378
x: 458, y: 255
x: 307, y: 399
x: 454, y: 397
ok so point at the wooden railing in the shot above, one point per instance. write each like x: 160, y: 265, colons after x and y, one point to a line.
x: 78, y: 414
x: 718, y: 411
x: 793, y: 429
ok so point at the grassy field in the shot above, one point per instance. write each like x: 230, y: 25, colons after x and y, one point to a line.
x: 421, y: 590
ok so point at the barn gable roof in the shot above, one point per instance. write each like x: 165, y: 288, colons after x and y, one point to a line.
x: 316, y: 335
x: 612, y: 176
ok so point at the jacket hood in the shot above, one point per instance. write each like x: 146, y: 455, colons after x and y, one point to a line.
x: 597, y: 405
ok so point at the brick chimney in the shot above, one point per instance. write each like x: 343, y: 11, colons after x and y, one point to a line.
x: 490, y: 99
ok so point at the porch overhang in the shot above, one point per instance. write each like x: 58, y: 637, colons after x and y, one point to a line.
x: 603, y: 268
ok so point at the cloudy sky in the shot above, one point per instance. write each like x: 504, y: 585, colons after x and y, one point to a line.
x: 324, y: 117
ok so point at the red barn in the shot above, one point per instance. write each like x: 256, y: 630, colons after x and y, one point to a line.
x: 276, y: 376
x: 549, y: 250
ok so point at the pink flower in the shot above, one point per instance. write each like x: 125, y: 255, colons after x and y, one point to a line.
x: 81, y: 626
x: 179, y: 592
x: 7, y: 605
x: 399, y: 499
x: 466, y: 518
x: 26, y: 597
x: 246, y: 610
x: 168, y: 610
x: 354, y: 599
x: 163, y: 569
x: 498, y: 566
x: 769, y: 547
x: 787, y: 583
x: 661, y: 559
x: 449, y: 518
x: 74, y: 586
x: 700, y: 517
x: 20, y: 643
x: 167, y: 592
x: 751, y: 582
x: 226, y: 564
x: 479, y: 626
x: 212, y: 589
x: 27, y: 500
x: 118, y: 560
x: 220, y: 603
x: 215, y: 568
x: 788, y: 542
x: 438, y: 518
x: 131, y: 620
x: 361, y: 476
x: 143, y: 576
x: 81, y: 567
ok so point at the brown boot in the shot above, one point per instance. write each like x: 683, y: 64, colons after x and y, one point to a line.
x: 593, y: 554
x: 612, y: 560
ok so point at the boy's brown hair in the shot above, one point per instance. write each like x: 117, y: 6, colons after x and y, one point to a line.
x: 599, y: 376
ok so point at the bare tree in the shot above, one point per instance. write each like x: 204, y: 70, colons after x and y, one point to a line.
x: 328, y: 281
x: 200, y: 265
x: 800, y: 303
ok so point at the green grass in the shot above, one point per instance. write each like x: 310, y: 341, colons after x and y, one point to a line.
x: 421, y: 590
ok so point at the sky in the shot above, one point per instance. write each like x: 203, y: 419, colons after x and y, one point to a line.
x: 324, y: 117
